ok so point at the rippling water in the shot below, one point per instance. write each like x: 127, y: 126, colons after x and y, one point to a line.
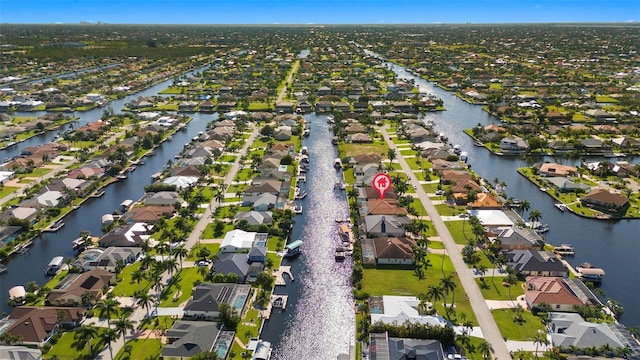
x: 319, y: 320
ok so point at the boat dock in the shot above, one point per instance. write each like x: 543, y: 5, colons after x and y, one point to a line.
x: 276, y: 301
x: 279, y: 275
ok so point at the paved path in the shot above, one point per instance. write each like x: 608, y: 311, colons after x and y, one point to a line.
x: 283, y: 91
x: 480, y: 308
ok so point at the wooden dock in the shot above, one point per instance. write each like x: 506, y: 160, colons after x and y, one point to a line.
x: 276, y: 301
x: 279, y: 275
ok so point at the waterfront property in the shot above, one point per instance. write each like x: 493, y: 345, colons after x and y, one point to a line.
x: 71, y: 289
x: 189, y: 338
x: 398, y: 309
x: 207, y: 298
x: 562, y: 294
x: 382, y: 346
x: 37, y: 324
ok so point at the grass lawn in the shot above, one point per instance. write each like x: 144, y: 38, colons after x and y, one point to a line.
x: 193, y: 254
x: 460, y: 235
x: 513, y: 330
x: 446, y: 210
x: 188, y: 277
x: 359, y: 149
x: 493, y: 288
x: 226, y: 158
x: 6, y: 190
x: 436, y: 245
x: 68, y: 349
x: 126, y: 287
x: 141, y: 349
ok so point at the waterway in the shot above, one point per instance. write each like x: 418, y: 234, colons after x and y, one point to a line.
x: 30, y: 266
x: 318, y: 322
x: 611, y: 245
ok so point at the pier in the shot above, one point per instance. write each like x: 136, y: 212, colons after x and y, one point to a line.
x: 276, y: 301
x: 279, y: 275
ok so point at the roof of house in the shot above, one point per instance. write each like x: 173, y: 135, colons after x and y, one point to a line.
x: 92, y: 282
x: 208, y: 296
x: 112, y: 255
x: 582, y: 334
x: 392, y: 223
x: 232, y: 263
x: 534, y: 260
x: 603, y: 196
x: 238, y: 239
x: 558, y: 290
x: 393, y: 248
x: 35, y: 323
x: 385, y: 207
x: 160, y: 198
x: 557, y: 169
x: 19, y: 353
x: 128, y: 235
x: 401, y: 308
x: 515, y: 235
x: 255, y: 217
x: 192, y: 338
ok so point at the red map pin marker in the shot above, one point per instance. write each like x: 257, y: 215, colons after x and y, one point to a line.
x: 382, y: 183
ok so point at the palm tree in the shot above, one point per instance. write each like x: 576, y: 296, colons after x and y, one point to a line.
x: 147, y: 261
x: 485, y: 349
x: 219, y: 196
x: 108, y: 336
x: 534, y: 216
x: 107, y: 307
x: 434, y: 293
x: 511, y: 280
x: 391, y: 154
x: 171, y: 265
x: 121, y: 325
x: 541, y: 339
x: 84, y: 334
x: 180, y: 252
x: 138, y: 275
x: 143, y: 299
x: 525, y: 205
x: 448, y: 285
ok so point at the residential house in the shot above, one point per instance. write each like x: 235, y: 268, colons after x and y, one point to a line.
x: 454, y: 176
x: 358, y: 138
x: 189, y: 338
x: 238, y: 264
x: 147, y: 214
x: 113, y: 257
x: 239, y: 240
x: 252, y: 193
x: 394, y: 251
x: 19, y: 353
x: 207, y: 298
x: 384, y: 207
x: 553, y: 169
x: 385, y: 225
x: 37, y: 324
x: 381, y: 346
x: 566, y: 185
x: 161, y: 199
x: 126, y: 235
x: 484, y: 201
x: 569, y: 330
x: 513, y: 144
x: 265, y: 202
x: 603, y: 200
x: 561, y: 293
x: 519, y: 238
x: 70, y: 290
x: 536, y: 263
x: 180, y: 182
x: 398, y: 309
x: 255, y: 217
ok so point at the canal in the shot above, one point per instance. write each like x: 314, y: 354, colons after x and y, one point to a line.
x: 612, y: 245
x: 319, y: 321
x: 30, y: 266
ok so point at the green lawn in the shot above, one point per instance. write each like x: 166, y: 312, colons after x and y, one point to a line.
x: 513, y: 330
x: 141, y: 349
x: 67, y: 349
x: 359, y: 149
x: 193, y: 254
x: 126, y: 287
x: 493, y: 288
x: 6, y: 190
x: 460, y: 231
x: 188, y: 278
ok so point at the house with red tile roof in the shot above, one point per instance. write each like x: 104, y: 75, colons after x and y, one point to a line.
x: 394, y: 251
x: 562, y: 294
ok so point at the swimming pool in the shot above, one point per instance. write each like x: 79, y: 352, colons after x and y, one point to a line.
x: 238, y: 304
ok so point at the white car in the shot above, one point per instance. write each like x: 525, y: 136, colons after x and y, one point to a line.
x: 440, y: 192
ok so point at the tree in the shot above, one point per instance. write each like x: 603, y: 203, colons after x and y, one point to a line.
x: 534, y: 216
x: 525, y: 205
x: 510, y: 280
x: 485, y: 349
x: 391, y: 154
x: 108, y: 336
x: 448, y: 285
x: 143, y: 299
x: 84, y: 334
x: 541, y: 339
x: 180, y: 252
x: 171, y: 265
x: 434, y: 293
x: 107, y: 307
x: 121, y: 325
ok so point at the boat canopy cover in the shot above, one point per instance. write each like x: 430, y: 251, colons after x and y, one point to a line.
x: 294, y: 244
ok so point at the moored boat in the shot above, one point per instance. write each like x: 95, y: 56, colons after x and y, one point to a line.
x: 565, y: 249
x: 3, y: 269
x: 562, y: 207
x: 54, y: 265
x: 588, y: 273
x: 292, y: 249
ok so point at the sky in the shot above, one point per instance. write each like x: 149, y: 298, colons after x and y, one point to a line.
x: 317, y: 11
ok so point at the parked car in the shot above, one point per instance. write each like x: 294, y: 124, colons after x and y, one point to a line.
x: 439, y: 192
